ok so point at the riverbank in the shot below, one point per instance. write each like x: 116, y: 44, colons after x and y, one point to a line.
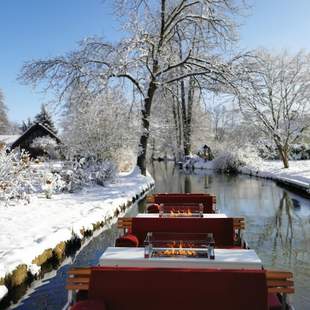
x: 297, y: 175
x: 47, y: 229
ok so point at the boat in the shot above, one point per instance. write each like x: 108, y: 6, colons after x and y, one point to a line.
x: 181, y: 254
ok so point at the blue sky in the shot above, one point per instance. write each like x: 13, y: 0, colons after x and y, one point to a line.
x: 35, y: 29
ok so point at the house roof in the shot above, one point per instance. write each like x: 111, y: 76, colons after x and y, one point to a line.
x: 8, y: 139
x: 33, y: 128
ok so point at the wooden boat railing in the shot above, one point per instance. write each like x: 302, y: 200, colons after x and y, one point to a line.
x: 278, y: 282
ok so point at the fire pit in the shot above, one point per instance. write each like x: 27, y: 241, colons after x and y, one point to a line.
x: 195, y: 245
x: 180, y: 211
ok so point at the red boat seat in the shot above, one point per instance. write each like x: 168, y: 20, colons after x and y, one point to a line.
x: 128, y: 240
x: 222, y: 228
x: 153, y: 208
x: 182, y: 289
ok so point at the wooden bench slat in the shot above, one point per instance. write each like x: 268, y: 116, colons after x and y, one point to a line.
x: 78, y: 280
x: 278, y: 275
x: 287, y: 290
x: 79, y: 271
x: 80, y: 287
x: 276, y: 283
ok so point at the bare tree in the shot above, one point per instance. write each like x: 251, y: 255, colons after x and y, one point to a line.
x: 274, y: 96
x: 148, y: 56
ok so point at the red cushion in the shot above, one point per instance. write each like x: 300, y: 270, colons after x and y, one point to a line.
x: 153, y: 208
x: 128, y: 240
x: 222, y: 228
x: 90, y: 304
x: 274, y: 302
x: 182, y: 289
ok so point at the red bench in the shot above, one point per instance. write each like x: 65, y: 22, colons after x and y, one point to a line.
x: 136, y: 229
x: 112, y: 288
x: 208, y: 201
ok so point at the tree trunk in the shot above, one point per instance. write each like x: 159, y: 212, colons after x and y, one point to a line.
x: 283, y: 152
x: 188, y: 121
x: 141, y: 160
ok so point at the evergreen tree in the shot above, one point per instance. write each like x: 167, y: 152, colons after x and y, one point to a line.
x: 45, y: 118
x: 26, y: 125
x: 4, y: 122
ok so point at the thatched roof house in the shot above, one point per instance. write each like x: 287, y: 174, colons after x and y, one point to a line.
x: 35, y: 131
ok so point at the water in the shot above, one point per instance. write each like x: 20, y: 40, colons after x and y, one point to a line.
x: 277, y: 227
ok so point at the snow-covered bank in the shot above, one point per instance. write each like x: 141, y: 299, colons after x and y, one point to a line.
x: 26, y: 231
x: 298, y: 173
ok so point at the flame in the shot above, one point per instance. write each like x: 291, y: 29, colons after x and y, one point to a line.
x: 179, y: 249
x: 175, y: 213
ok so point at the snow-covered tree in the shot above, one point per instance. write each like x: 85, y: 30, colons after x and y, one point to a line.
x: 274, y: 96
x: 99, y: 127
x: 4, y: 122
x: 148, y: 57
x: 15, y: 176
x: 45, y: 118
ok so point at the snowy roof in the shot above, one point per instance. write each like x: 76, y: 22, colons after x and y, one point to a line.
x: 31, y: 129
x: 8, y: 139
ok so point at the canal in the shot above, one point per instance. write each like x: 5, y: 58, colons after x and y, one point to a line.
x: 277, y: 227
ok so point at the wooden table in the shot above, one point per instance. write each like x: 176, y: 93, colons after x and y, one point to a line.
x: 224, y: 258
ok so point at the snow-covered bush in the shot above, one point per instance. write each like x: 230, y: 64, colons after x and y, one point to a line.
x: 269, y: 151
x: 52, y: 183
x: 227, y: 162
x: 48, y: 145
x: 80, y: 173
x: 15, y: 176
x: 231, y: 161
x: 105, y: 171
x: 190, y: 161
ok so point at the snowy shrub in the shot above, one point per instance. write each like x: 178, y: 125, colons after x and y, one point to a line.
x: 105, y: 171
x: 80, y: 173
x: 231, y: 161
x: 269, y: 151
x: 15, y: 176
x: 227, y: 162
x: 48, y: 145
x: 190, y: 161
x: 52, y: 183
x: 74, y: 176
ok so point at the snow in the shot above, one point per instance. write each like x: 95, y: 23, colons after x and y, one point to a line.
x: 203, y: 164
x: 8, y: 139
x: 3, y: 291
x: 297, y: 174
x: 197, y: 162
x: 27, y: 230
